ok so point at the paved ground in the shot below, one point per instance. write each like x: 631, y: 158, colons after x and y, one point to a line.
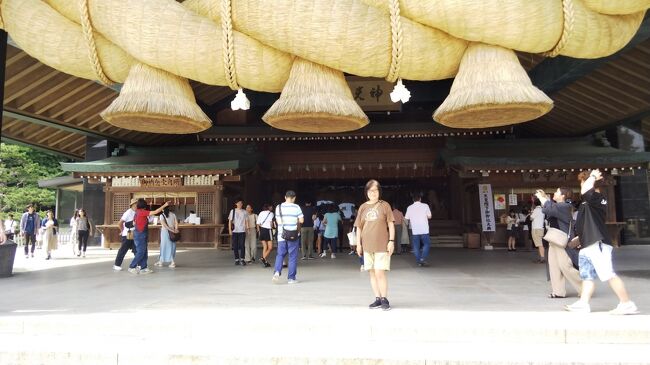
x: 207, y: 310
x: 458, y: 279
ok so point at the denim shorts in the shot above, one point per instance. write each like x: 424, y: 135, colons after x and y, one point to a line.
x: 595, y: 261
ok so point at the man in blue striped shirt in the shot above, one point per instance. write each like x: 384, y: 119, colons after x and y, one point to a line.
x: 289, y: 217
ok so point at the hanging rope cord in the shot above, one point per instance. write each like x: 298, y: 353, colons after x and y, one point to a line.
x: 228, y: 45
x: 567, y: 27
x: 87, y: 29
x: 396, y: 41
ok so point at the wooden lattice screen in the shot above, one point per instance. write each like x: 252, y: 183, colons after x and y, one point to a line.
x: 120, y: 205
x: 205, y: 207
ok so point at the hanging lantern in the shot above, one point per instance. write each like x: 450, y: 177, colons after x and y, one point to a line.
x: 315, y: 99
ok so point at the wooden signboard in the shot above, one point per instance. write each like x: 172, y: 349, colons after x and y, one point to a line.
x: 160, y: 182
x: 373, y: 95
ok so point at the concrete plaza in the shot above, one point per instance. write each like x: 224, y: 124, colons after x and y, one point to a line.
x: 468, y: 306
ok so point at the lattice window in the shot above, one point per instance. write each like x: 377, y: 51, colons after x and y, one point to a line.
x: 120, y: 205
x: 205, y: 207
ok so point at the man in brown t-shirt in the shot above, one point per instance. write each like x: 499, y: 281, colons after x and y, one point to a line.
x: 375, y: 237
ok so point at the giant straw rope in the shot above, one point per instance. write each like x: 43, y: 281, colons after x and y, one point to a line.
x: 410, y: 39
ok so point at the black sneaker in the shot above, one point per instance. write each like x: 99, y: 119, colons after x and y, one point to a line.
x: 384, y: 304
x: 243, y: 262
x: 376, y: 304
x: 237, y: 262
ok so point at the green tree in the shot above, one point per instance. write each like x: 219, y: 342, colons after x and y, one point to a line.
x: 20, y: 170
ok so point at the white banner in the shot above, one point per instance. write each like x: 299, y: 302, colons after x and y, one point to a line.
x: 487, y: 208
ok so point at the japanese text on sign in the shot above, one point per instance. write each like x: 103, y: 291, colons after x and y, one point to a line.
x: 487, y: 208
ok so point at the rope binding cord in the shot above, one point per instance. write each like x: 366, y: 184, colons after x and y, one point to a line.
x: 399, y: 92
x: 228, y: 46
x: 87, y: 29
x: 567, y: 27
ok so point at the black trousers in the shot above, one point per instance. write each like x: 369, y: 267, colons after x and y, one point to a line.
x: 83, y: 240
x: 124, y: 248
x: 238, y: 240
x: 28, y: 238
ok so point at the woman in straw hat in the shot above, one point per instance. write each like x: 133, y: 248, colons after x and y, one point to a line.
x: 126, y: 235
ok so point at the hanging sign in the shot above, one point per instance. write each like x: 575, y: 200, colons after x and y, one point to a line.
x: 373, y: 95
x: 512, y: 199
x: 160, y: 182
x: 487, y: 209
x: 499, y: 201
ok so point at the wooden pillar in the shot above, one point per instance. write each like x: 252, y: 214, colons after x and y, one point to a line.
x: 218, y: 199
x: 108, y: 203
x: 3, y: 64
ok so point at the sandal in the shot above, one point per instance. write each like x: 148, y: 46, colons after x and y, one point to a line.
x: 553, y: 296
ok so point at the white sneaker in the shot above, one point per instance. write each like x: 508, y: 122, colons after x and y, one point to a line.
x: 117, y: 268
x: 292, y: 281
x: 361, y: 268
x: 146, y: 271
x: 134, y: 270
x: 84, y: 254
x: 323, y: 254
x: 158, y: 263
x: 276, y: 277
x: 304, y: 258
x: 578, y: 307
x: 172, y: 265
x: 625, y: 308
x: 333, y: 256
x: 352, y: 252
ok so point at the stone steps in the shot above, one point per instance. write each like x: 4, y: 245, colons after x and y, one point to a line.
x: 254, y: 335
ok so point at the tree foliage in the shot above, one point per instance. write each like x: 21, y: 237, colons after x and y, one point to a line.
x: 20, y: 170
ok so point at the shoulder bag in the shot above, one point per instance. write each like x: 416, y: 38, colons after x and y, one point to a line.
x: 557, y: 237
x: 289, y: 235
x: 174, y: 237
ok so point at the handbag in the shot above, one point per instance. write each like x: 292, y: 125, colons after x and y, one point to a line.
x: 352, y: 238
x: 174, y: 237
x: 558, y: 237
x: 288, y: 235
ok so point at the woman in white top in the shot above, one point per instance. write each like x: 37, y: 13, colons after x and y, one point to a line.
x: 73, y: 231
x: 264, y: 220
x: 167, y: 246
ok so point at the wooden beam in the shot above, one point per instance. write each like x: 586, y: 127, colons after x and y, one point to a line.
x: 24, y: 89
x: 90, y: 108
x: 59, y: 99
x: 47, y: 93
x: 19, y: 142
x: 28, y: 117
x: 72, y: 104
x: 28, y: 70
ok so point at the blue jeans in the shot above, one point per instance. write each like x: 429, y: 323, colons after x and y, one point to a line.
x: 141, y: 252
x: 290, y: 247
x: 426, y: 243
x: 124, y: 248
x: 331, y: 242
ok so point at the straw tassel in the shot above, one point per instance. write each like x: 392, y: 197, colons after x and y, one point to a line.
x: 491, y: 89
x: 315, y: 99
x: 156, y: 101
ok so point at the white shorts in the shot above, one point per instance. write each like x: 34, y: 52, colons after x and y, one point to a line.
x: 596, y: 262
x: 376, y: 261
